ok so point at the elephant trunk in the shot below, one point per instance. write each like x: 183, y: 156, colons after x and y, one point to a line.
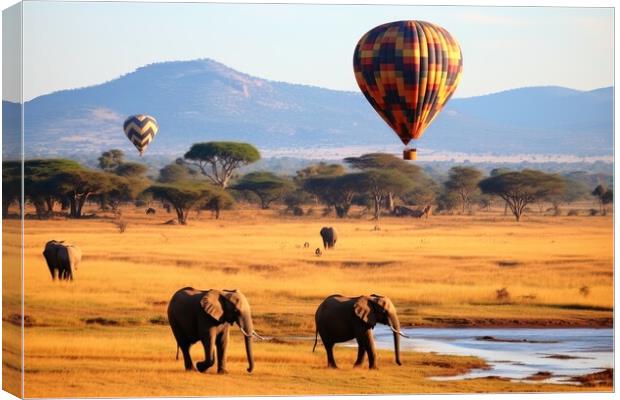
x: 395, y: 325
x: 247, y: 328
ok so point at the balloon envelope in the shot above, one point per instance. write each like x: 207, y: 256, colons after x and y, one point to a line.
x: 140, y: 129
x: 407, y: 70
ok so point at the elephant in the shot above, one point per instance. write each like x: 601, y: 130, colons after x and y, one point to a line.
x: 62, y: 259
x: 206, y: 316
x: 329, y: 236
x: 339, y: 319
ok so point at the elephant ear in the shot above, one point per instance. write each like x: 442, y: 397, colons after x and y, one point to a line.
x: 233, y: 296
x: 363, y: 311
x: 210, y: 302
x: 384, y: 303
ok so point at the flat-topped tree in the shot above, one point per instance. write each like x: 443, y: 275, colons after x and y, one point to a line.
x: 521, y: 188
x: 111, y: 159
x: 218, y: 160
x: 384, y: 162
x: 464, y: 182
x: 267, y: 186
x: 188, y: 195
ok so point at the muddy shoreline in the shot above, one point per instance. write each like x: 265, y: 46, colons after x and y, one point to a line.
x: 499, y: 323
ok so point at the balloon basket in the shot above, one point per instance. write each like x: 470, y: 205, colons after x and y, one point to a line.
x: 410, y: 154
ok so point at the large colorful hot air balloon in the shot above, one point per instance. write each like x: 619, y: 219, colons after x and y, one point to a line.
x: 408, y: 70
x: 140, y: 129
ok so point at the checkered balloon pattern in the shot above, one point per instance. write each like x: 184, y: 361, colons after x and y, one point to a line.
x: 408, y: 70
x: 140, y: 129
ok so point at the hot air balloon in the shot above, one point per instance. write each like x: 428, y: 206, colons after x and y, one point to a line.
x: 408, y: 70
x: 140, y: 129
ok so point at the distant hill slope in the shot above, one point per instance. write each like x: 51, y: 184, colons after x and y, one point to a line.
x: 204, y: 100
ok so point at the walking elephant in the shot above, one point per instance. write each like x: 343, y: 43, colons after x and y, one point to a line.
x: 206, y: 316
x: 62, y: 259
x: 329, y: 236
x: 339, y: 319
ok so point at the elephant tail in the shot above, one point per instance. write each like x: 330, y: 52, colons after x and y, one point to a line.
x: 177, y: 352
x: 316, y: 338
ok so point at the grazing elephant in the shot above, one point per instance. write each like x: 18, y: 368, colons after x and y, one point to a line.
x: 339, y: 319
x: 329, y: 236
x: 206, y: 315
x: 62, y: 259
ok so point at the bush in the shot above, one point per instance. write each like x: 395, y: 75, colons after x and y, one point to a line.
x: 121, y: 225
x: 593, y: 212
x: 572, y: 213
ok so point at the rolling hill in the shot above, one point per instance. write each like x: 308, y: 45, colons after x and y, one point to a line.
x: 204, y: 100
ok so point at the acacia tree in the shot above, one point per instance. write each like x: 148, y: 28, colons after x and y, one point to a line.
x: 381, y: 183
x: 384, y: 161
x: 111, y: 159
x: 79, y: 185
x: 265, y: 185
x: 173, y: 173
x: 11, y: 186
x: 335, y: 191
x: 604, y: 197
x: 518, y: 189
x: 464, y: 182
x: 40, y: 182
x: 185, y: 196
x: 218, y: 160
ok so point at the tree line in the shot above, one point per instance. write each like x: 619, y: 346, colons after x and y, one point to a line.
x: 207, y: 178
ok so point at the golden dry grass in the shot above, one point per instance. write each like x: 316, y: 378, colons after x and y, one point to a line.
x: 440, y: 271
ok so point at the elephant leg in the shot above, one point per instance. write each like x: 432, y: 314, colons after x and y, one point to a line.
x: 209, y: 345
x: 366, y: 341
x: 187, y: 358
x: 329, y: 348
x: 361, y: 353
x: 221, y: 344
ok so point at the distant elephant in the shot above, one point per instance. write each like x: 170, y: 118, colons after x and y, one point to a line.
x: 206, y: 315
x: 329, y: 236
x: 339, y: 319
x: 62, y: 259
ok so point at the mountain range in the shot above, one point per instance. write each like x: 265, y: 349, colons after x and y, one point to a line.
x: 203, y: 100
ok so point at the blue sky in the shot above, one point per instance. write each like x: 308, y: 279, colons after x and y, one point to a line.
x: 68, y: 45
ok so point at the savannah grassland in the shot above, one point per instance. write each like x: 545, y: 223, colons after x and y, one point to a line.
x: 105, y: 334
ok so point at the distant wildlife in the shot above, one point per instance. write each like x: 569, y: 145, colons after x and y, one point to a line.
x: 206, y: 316
x: 150, y: 211
x: 318, y: 252
x: 339, y: 319
x: 306, y: 245
x: 402, y: 211
x: 62, y: 259
x: 329, y: 236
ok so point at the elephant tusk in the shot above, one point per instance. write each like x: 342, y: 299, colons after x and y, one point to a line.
x: 244, y: 332
x: 258, y: 336
x: 399, y: 332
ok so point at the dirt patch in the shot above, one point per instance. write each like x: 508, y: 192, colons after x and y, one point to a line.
x: 602, y: 378
x: 566, y: 357
x: 159, y: 320
x: 230, y: 270
x: 539, y: 376
x: 264, y: 268
x: 494, y: 339
x: 16, y: 319
x: 451, y: 322
x: 101, y: 321
x: 508, y: 263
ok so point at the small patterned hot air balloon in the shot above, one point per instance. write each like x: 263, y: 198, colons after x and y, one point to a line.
x: 140, y: 129
x: 408, y: 70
